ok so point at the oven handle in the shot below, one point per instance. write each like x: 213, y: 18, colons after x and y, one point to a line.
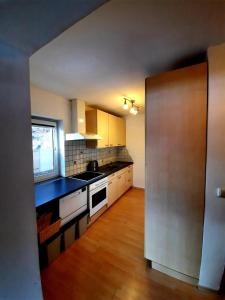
x: 98, y: 188
x: 96, y: 185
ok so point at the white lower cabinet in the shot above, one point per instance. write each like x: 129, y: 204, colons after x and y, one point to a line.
x: 72, y: 205
x: 112, y: 191
x: 119, y: 183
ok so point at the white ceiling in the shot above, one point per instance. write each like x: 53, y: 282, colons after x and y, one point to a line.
x: 108, y: 54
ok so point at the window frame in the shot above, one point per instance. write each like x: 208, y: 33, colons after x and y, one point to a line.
x: 55, y: 172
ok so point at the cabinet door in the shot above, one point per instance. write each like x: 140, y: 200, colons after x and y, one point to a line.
x: 176, y: 108
x: 129, y: 177
x: 121, y: 132
x: 117, y: 131
x: 122, y: 183
x: 113, y: 133
x: 120, y: 186
x: 103, y: 128
x: 112, y: 191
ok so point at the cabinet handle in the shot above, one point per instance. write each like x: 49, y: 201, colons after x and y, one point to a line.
x: 106, y: 145
x: 111, y: 145
x: 119, y: 144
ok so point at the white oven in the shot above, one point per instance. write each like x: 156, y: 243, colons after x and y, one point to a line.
x: 98, y: 195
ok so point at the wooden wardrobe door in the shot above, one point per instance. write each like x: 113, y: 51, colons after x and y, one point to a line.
x: 176, y: 110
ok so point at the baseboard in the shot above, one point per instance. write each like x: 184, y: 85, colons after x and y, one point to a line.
x: 175, y: 274
x: 138, y: 188
x: 206, y: 289
x: 97, y: 215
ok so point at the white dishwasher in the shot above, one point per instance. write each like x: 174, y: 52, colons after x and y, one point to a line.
x: 72, y: 205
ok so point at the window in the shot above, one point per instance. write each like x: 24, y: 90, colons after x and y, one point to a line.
x: 45, y: 149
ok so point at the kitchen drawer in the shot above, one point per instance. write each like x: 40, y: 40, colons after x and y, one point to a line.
x: 113, y: 175
x: 120, y: 172
x: 130, y: 169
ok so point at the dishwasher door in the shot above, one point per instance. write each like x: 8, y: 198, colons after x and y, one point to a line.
x: 72, y: 205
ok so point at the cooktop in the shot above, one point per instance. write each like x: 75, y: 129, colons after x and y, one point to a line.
x: 87, y: 175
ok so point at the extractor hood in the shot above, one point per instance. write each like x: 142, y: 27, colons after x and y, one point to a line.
x: 78, y: 123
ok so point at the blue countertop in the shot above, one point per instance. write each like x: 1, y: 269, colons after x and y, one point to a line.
x: 56, y: 188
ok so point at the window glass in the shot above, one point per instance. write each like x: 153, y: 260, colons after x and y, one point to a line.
x: 45, y: 149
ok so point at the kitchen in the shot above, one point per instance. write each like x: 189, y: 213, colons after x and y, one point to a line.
x: 98, y: 171
x: 125, y: 197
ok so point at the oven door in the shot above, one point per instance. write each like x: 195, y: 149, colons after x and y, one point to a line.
x: 98, y: 198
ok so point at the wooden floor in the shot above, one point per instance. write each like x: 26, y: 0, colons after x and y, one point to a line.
x: 107, y: 262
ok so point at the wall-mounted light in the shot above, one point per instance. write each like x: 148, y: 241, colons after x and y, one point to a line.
x: 133, y: 109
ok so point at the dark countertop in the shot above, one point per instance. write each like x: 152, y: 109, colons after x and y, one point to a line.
x: 113, y: 167
x: 56, y: 188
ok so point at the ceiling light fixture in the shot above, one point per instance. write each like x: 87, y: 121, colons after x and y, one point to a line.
x: 125, y: 105
x: 133, y: 109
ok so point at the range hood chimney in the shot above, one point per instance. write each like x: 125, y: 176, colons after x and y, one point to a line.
x: 78, y: 123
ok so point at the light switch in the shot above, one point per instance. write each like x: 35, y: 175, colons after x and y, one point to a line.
x: 220, y: 192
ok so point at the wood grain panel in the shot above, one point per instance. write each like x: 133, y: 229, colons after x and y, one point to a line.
x: 97, y: 122
x: 91, y: 121
x: 121, y: 129
x: 176, y: 108
x: 103, y: 128
x: 113, y: 134
x: 112, y: 191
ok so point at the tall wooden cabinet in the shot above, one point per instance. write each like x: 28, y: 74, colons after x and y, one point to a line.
x: 176, y: 108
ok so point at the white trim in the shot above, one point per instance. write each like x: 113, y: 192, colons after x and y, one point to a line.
x: 43, y: 122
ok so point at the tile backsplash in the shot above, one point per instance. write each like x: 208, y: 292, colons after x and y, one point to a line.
x: 77, y: 156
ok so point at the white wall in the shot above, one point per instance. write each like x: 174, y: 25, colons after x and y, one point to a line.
x: 50, y: 105
x: 19, y: 266
x: 135, y: 140
x: 213, y: 253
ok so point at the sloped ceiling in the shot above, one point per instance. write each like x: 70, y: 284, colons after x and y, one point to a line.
x: 108, y: 54
x: 29, y: 24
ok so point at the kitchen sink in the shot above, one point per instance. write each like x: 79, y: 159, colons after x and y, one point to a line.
x: 87, y: 175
